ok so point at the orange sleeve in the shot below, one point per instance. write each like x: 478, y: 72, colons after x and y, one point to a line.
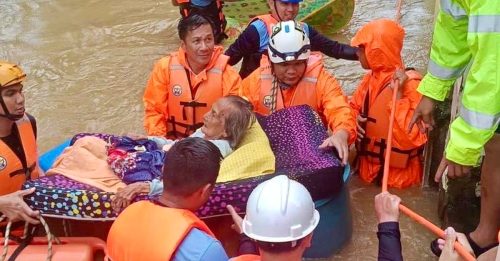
x: 335, y: 107
x: 155, y: 99
x: 231, y: 81
x: 250, y: 88
x: 405, y: 108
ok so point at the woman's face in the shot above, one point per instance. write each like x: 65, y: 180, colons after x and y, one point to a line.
x: 214, y: 121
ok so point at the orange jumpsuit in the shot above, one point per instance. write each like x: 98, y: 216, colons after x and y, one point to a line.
x: 175, y: 102
x: 317, y: 88
x: 383, y: 41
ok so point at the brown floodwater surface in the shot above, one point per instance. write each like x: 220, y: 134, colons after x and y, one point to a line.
x: 88, y: 62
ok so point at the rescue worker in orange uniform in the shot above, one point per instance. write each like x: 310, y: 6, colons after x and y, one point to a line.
x: 18, y: 149
x: 280, y: 217
x: 291, y: 76
x: 167, y: 228
x: 184, y: 85
x: 380, y: 43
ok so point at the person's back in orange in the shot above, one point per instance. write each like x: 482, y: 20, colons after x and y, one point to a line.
x: 380, y: 43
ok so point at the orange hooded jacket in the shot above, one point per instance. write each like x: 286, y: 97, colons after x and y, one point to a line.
x: 317, y: 88
x: 383, y: 40
x: 169, y: 93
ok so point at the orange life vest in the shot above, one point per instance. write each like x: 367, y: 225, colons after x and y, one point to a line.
x: 246, y: 258
x: 187, y: 104
x: 147, y: 231
x: 268, y: 20
x: 303, y: 93
x: 375, y: 141
x: 13, y: 172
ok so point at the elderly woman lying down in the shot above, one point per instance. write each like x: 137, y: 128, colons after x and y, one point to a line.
x: 224, y: 125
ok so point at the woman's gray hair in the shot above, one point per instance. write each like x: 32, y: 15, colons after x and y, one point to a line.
x: 238, y: 120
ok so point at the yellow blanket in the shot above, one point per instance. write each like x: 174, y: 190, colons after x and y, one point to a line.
x: 252, y: 158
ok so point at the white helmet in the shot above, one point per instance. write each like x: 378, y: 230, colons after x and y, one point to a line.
x: 288, y: 42
x: 280, y: 210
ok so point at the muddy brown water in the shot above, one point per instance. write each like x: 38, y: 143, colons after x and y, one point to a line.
x: 88, y: 62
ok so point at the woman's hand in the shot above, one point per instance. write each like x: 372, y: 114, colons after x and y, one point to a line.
x: 124, y: 196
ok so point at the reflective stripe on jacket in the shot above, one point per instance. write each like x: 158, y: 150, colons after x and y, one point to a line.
x: 175, y: 99
x: 317, y: 88
x: 12, y: 172
x: 467, y: 33
x: 147, y: 231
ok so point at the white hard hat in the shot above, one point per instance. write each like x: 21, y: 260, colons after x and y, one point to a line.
x: 288, y: 42
x: 280, y: 210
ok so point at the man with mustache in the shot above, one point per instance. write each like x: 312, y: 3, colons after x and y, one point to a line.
x: 184, y: 85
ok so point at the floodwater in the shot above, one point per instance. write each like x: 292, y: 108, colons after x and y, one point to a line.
x: 88, y: 62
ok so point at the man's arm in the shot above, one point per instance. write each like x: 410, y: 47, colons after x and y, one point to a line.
x: 449, y: 52
x: 387, y: 210
x: 330, y: 47
x: 155, y: 100
x: 337, y: 111
x: 339, y: 115
x: 246, y: 43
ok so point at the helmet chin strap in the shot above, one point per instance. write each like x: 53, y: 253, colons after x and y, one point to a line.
x: 7, y: 114
x: 276, y: 10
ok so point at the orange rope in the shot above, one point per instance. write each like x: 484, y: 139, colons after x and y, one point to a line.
x: 426, y: 223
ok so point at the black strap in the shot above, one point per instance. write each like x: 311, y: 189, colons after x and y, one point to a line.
x: 194, y: 105
x: 189, y: 127
x: 24, y: 243
x: 25, y: 171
